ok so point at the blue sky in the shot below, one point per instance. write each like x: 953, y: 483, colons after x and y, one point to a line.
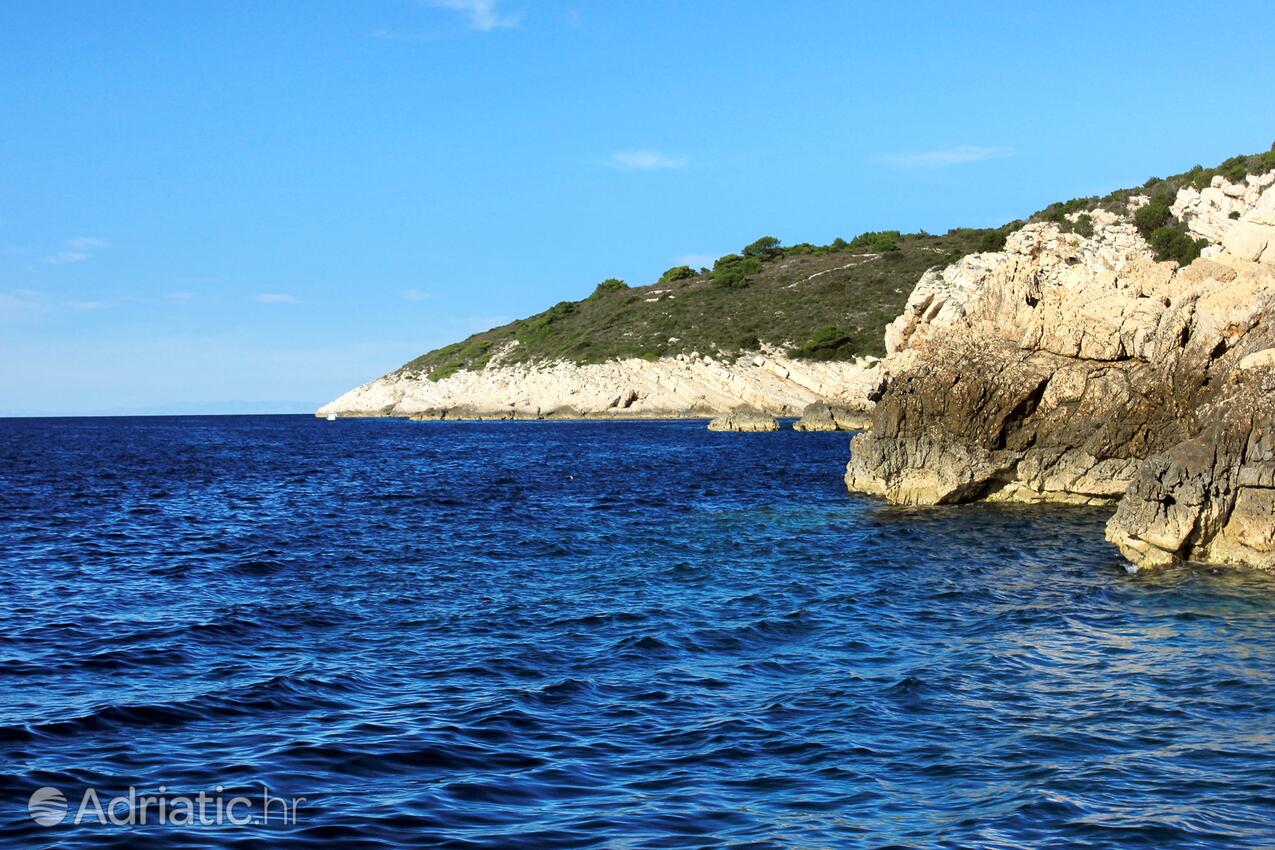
x: 221, y: 206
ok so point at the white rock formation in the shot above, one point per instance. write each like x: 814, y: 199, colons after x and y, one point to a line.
x: 1078, y: 369
x: 686, y: 385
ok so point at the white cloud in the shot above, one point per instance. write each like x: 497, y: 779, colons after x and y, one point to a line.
x: 87, y: 243
x: 484, y: 15
x: 180, y: 297
x: 418, y: 295
x: 62, y: 258
x: 645, y: 161
x: 276, y: 298
x: 944, y: 157
x: 77, y: 249
x: 18, y: 304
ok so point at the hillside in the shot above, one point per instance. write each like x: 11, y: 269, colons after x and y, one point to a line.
x: 820, y: 302
x: 825, y: 302
x: 773, y: 326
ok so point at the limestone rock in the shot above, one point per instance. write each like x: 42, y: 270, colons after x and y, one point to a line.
x: 1079, y: 369
x: 821, y: 416
x: 744, y: 419
x: 1211, y: 497
x: 669, y: 387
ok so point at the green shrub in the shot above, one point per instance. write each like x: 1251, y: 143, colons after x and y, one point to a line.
x: 540, y: 326
x: 993, y: 240
x: 732, y: 271
x: 763, y: 249
x: 803, y: 249
x: 606, y: 287
x: 878, y: 241
x: 1083, y: 225
x: 677, y: 273
x: 838, y: 244
x: 1174, y: 243
x: 1153, y: 215
x: 827, y: 344
x: 469, y: 354
x: 1057, y: 212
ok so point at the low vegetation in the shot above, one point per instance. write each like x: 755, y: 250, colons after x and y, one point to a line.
x: 826, y: 302
x: 818, y: 302
x: 1167, y: 236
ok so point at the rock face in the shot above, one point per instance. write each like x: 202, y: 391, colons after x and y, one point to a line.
x: 683, y: 386
x: 821, y: 416
x: 744, y: 419
x: 1211, y: 497
x: 1073, y: 369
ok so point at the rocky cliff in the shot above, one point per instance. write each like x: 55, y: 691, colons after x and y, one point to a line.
x: 685, y: 385
x: 1072, y: 366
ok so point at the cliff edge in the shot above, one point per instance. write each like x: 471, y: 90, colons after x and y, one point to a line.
x: 1077, y: 365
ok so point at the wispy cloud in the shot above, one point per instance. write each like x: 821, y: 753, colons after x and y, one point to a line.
x: 484, y: 15
x: 645, y: 161
x: 417, y: 295
x: 180, y: 297
x: 944, y: 157
x: 276, y: 298
x: 77, y: 249
x: 19, y: 304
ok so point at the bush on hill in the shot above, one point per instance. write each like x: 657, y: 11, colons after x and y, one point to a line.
x: 677, y: 273
x: 606, y: 287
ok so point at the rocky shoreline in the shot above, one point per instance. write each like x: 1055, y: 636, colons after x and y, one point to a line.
x: 1077, y: 369
x: 1069, y: 367
x: 682, y: 387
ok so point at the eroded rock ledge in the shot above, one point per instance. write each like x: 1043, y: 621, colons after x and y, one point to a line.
x: 1078, y: 369
x: 745, y: 420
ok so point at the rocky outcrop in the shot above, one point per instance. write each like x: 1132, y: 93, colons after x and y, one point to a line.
x: 1210, y: 497
x: 1078, y: 369
x: 683, y: 386
x: 744, y: 419
x: 821, y: 416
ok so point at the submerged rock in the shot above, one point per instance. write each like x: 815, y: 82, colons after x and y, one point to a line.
x: 1079, y: 369
x: 744, y: 420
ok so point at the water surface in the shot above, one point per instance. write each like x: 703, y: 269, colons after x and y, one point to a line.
x: 619, y: 635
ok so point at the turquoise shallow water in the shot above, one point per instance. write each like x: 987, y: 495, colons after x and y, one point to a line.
x: 600, y: 635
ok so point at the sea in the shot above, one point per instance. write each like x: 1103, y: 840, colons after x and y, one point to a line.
x: 283, y: 632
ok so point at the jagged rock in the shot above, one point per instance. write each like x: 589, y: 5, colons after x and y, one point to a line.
x: 1077, y: 369
x: 744, y: 420
x: 1211, y: 497
x: 821, y: 416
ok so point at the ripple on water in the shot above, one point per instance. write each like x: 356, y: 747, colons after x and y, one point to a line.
x: 602, y: 635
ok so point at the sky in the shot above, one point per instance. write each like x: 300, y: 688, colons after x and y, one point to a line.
x: 249, y: 207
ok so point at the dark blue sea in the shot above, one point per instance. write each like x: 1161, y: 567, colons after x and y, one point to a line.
x: 621, y: 635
